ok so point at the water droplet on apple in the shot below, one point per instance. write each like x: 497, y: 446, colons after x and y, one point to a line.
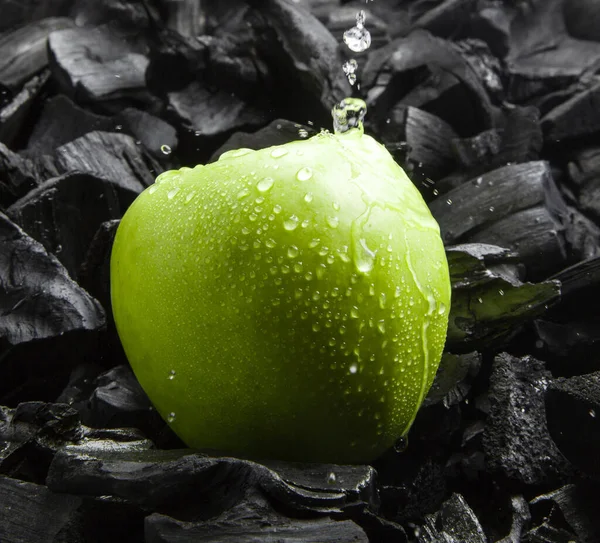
x: 152, y: 189
x: 277, y: 209
x: 308, y: 197
x: 264, y: 185
x: 189, y: 197
x: 293, y: 251
x: 304, y: 174
x: 442, y: 308
x: 171, y: 194
x: 278, y: 152
x: 243, y: 193
x: 236, y: 153
x: 364, y: 257
x: 171, y: 416
x: 291, y: 223
x: 401, y: 444
x: 172, y: 374
x: 333, y: 221
x: 354, y: 312
x: 353, y: 368
x: 270, y: 243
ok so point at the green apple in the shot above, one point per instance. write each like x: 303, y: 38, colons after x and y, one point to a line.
x: 287, y: 303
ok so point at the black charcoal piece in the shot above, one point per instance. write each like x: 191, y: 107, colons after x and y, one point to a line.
x: 546, y: 533
x: 579, y: 505
x: 97, y: 64
x: 582, y: 20
x: 429, y: 73
x: 277, y: 132
x: 573, y: 413
x: 30, y: 512
x: 455, y: 522
x: 516, y: 206
x: 24, y: 51
x: 161, y: 479
x: 580, y: 290
x: 521, y: 519
x: 64, y: 214
x: 16, y: 14
x: 119, y: 13
x: 213, y: 113
x: 115, y: 157
x: 15, y: 114
x: 446, y: 19
x: 489, y: 302
x: 453, y: 379
x: 250, y: 527
x: 516, y: 441
x: 576, y: 117
x: 582, y: 235
x: 303, y: 54
x: 584, y: 173
x: 39, y: 300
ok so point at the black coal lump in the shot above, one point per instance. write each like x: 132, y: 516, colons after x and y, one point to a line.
x: 573, y: 414
x: 516, y: 440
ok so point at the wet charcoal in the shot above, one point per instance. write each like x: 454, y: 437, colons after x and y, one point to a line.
x: 64, y: 214
x: 118, y: 13
x: 491, y: 24
x: 24, y: 51
x: 519, y: 140
x: 252, y: 526
x: 453, y: 379
x: 446, y: 19
x: 545, y: 533
x: 520, y: 521
x: 573, y: 413
x: 576, y: 117
x: 97, y: 64
x: 306, y: 57
x: 40, y: 300
x: 582, y: 20
x: 210, y: 113
x: 30, y: 512
x: 584, y: 174
x: 580, y: 290
x: 579, y: 505
x: 516, y: 440
x: 114, y: 157
x: 428, y: 73
x: 94, y: 274
x: 16, y: 14
x: 582, y: 235
x: 455, y: 522
x: 15, y: 114
x: 187, y: 18
x: 277, y: 132
x: 489, y: 302
x: 517, y: 206
x: 161, y: 479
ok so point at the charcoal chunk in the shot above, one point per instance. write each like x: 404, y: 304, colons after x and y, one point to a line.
x: 520, y: 521
x: 455, y: 522
x: 160, y: 478
x: 517, y: 206
x: 97, y: 64
x: 453, y: 379
x: 39, y: 300
x: 582, y: 20
x: 24, y: 51
x: 579, y: 506
x: 584, y: 173
x: 516, y: 440
x: 64, y: 214
x: 15, y: 14
x: 573, y: 413
x: 489, y: 301
x: 30, y: 512
x: 251, y: 528
x: 14, y: 114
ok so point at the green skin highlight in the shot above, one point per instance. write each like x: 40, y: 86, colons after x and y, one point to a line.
x: 287, y: 303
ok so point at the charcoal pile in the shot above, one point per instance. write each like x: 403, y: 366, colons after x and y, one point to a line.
x: 493, y: 109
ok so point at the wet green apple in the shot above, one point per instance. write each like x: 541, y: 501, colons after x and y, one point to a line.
x: 287, y: 303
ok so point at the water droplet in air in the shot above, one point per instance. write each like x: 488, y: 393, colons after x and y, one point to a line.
x: 165, y: 149
x: 291, y: 223
x: 349, y: 113
x: 304, y: 174
x: 265, y: 184
x: 303, y: 133
x: 358, y: 38
x: 350, y: 68
x: 278, y: 152
x: 592, y: 413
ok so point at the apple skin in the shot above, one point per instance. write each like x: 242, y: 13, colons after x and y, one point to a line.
x: 288, y: 303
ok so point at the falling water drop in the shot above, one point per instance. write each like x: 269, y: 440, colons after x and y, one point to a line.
x: 358, y: 38
x: 165, y: 149
x: 349, y: 113
x: 350, y: 68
